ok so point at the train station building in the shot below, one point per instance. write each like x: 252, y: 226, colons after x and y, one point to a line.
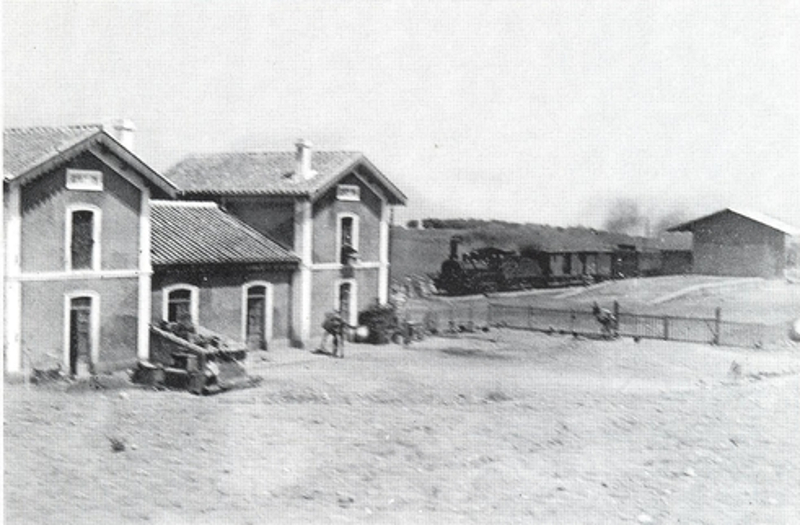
x: 252, y: 247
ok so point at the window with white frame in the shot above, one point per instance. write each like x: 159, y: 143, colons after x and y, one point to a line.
x: 181, y: 304
x: 83, y: 237
x: 347, y: 238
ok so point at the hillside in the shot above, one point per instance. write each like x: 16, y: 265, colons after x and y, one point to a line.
x: 420, y: 252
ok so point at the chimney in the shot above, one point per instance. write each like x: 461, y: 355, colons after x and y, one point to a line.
x: 303, y: 160
x: 124, y: 130
x: 454, y: 242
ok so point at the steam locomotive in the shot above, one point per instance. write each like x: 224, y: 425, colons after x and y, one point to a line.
x: 490, y: 269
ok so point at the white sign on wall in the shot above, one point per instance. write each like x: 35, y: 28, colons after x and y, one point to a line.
x: 85, y: 180
x: 348, y: 192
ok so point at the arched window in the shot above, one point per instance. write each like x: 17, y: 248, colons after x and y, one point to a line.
x: 347, y: 237
x: 181, y: 304
x: 83, y: 237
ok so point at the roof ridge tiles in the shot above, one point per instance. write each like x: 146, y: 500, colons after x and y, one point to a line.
x: 185, y: 204
x: 33, y: 129
x: 256, y: 153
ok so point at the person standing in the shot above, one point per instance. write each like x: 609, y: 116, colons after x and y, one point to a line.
x: 333, y: 327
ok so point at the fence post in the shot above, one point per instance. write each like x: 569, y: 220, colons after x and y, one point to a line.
x: 717, y: 324
x: 572, y: 320
x: 616, y: 317
x: 666, y: 328
x: 453, y: 327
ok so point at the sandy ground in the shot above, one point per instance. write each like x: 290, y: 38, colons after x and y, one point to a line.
x: 508, y: 427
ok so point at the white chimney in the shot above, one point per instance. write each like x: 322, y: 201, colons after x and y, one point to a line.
x: 303, y: 160
x: 124, y: 130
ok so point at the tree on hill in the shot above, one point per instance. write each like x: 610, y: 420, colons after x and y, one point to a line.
x: 466, y: 224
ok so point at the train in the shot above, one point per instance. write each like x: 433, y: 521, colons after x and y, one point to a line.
x: 491, y: 269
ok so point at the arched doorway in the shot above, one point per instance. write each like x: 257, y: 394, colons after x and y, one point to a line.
x: 81, y: 333
x: 346, y: 300
x: 257, y: 313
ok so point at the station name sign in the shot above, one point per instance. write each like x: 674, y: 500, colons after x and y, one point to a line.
x: 348, y: 192
x: 84, y: 180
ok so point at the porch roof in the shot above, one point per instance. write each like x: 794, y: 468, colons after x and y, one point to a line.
x: 200, y: 233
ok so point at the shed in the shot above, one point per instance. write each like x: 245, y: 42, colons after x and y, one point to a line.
x: 737, y: 242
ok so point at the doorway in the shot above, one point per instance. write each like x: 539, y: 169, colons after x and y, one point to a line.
x: 80, y: 336
x: 257, y: 316
x: 346, y: 301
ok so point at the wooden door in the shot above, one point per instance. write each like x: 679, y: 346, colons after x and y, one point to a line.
x: 256, y: 333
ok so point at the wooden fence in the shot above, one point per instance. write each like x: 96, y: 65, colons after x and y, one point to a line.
x: 712, y: 330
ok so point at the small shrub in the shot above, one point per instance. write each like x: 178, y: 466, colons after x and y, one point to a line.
x: 382, y: 322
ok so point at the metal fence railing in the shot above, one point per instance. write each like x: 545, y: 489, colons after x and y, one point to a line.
x: 712, y: 330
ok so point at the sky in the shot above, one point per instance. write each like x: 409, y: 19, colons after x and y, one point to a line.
x: 548, y: 112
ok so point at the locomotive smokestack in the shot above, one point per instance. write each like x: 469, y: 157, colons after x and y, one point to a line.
x: 454, y: 242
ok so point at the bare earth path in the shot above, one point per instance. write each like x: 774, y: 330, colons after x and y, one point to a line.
x: 511, y: 427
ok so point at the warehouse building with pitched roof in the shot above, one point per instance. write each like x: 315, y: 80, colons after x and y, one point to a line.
x: 738, y: 242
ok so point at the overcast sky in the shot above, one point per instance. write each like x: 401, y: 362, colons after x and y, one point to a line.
x: 533, y: 111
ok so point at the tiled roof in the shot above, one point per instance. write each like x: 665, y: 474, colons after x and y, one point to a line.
x: 30, y: 152
x: 187, y: 232
x: 759, y: 217
x: 267, y: 173
x: 25, y: 148
x: 260, y: 173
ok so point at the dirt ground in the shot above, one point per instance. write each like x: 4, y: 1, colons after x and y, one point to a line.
x: 506, y: 427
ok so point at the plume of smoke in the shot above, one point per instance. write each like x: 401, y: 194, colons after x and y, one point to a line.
x: 670, y: 219
x: 625, y: 217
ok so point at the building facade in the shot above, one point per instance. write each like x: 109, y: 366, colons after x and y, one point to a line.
x: 250, y: 247
x: 740, y: 243
x: 330, y: 208
x: 77, y: 282
x: 214, y: 272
